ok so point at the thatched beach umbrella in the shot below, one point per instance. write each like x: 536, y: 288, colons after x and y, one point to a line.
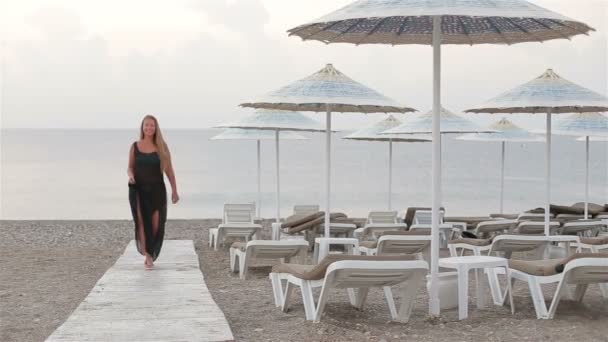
x: 547, y: 94
x: 277, y: 121
x: 328, y: 91
x: 372, y: 133
x: 506, y: 131
x: 258, y: 135
x: 587, y: 124
x: 438, y: 22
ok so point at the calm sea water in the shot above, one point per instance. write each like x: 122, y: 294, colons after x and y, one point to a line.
x: 81, y: 174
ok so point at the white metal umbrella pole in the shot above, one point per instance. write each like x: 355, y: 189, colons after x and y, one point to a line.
x: 259, y: 181
x: 327, y: 169
x: 390, y: 172
x: 502, y: 176
x: 436, y: 183
x: 548, y: 173
x: 278, y: 178
x: 586, y: 177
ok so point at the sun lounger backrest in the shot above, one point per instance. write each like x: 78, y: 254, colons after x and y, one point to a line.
x: 489, y: 227
x: 532, y: 217
x: 375, y: 217
x: 517, y: 243
x: 239, y: 213
x: 305, y: 209
x: 535, y: 227
x: 424, y: 217
x: 403, y: 244
x: 578, y: 227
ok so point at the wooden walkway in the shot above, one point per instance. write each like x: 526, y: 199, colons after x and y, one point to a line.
x: 169, y: 303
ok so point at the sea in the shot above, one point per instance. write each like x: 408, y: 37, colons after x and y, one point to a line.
x: 82, y: 174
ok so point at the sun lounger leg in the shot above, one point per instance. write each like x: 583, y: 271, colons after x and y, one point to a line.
x: 321, y: 304
x: 233, y: 257
x: 308, y: 300
x: 243, y: 264
x: 408, y: 296
x: 537, y: 297
x: 579, y: 293
x: 277, y: 289
x: 287, y: 295
x: 352, y: 296
x: 360, y: 297
x: 604, y: 290
x: 390, y: 301
x: 494, y: 286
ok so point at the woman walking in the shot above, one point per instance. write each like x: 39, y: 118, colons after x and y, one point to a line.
x: 149, y: 158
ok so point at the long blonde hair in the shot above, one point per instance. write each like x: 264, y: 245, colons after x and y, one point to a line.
x: 159, y: 142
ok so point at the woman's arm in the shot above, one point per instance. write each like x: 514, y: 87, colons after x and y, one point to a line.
x: 131, y: 167
x: 171, y: 175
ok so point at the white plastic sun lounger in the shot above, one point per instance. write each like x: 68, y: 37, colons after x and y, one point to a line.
x: 350, y: 272
x: 579, y: 269
x: 378, y: 222
x: 238, y: 221
x: 244, y: 253
x: 398, y: 244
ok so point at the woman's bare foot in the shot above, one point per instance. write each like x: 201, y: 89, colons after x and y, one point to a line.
x: 149, y: 263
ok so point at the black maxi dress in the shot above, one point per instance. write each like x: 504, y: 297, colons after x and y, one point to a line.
x: 148, y: 195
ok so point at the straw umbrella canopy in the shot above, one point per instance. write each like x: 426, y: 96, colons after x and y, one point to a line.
x: 587, y: 124
x: 549, y: 94
x: 277, y: 121
x: 328, y: 90
x: 258, y: 135
x: 372, y: 133
x: 506, y: 131
x: 437, y: 22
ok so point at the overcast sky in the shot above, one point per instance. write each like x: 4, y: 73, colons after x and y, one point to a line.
x: 103, y: 64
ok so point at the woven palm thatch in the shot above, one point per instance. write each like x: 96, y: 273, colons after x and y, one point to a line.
x: 547, y: 92
x: 277, y: 120
x: 505, y: 131
x: 255, y: 134
x: 587, y: 124
x: 328, y: 88
x: 450, y: 123
x: 372, y: 133
x: 463, y: 22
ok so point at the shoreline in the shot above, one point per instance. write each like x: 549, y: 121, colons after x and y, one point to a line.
x: 48, y: 267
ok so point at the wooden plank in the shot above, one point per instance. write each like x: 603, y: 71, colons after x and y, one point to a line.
x: 169, y: 303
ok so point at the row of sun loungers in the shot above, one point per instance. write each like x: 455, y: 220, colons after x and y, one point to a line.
x: 384, y: 236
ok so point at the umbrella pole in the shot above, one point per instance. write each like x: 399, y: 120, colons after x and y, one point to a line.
x: 548, y: 173
x: 327, y: 169
x: 390, y: 172
x: 436, y: 183
x: 259, y: 181
x: 276, y: 138
x: 586, y: 177
x: 502, y: 177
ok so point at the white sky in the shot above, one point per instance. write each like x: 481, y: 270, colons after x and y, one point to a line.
x: 103, y: 64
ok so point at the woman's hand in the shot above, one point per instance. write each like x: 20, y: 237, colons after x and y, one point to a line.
x: 174, y: 197
x: 131, y: 179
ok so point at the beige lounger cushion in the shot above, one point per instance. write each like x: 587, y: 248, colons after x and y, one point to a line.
x: 317, y: 272
x: 296, y: 220
x: 314, y: 222
x: 472, y: 242
x: 422, y: 232
x: 602, y: 240
x: 551, y: 266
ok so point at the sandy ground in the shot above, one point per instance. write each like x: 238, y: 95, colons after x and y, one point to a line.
x: 48, y: 267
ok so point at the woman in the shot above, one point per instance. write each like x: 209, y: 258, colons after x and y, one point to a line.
x: 148, y: 159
